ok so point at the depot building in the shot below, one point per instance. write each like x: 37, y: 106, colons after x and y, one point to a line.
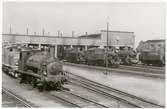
x: 102, y: 39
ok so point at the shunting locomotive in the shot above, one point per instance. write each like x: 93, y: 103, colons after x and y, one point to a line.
x: 35, y: 67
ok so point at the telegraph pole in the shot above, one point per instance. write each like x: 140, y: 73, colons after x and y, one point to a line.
x: 107, y: 47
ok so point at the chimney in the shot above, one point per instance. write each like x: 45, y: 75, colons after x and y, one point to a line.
x: 43, y: 32
x: 27, y: 30
x: 86, y: 33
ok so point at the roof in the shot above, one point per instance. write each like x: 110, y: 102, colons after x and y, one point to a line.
x: 116, y: 31
x: 161, y: 40
x: 90, y: 36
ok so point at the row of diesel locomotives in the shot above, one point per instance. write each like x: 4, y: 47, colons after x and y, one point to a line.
x: 99, y: 56
x: 35, y: 67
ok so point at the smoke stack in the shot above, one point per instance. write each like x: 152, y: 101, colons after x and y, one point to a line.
x: 27, y: 31
x: 86, y: 33
x: 43, y: 32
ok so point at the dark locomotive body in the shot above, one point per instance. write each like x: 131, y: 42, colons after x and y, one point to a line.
x: 152, y: 52
x: 38, y: 68
x: 149, y: 57
x: 127, y: 56
x: 93, y: 56
x: 74, y: 55
x: 98, y: 56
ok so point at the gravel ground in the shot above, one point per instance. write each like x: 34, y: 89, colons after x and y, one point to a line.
x: 152, y: 89
x: 8, y: 101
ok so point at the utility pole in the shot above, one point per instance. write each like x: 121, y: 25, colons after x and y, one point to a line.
x: 107, y: 47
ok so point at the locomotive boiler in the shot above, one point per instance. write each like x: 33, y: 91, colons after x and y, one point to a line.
x: 42, y: 64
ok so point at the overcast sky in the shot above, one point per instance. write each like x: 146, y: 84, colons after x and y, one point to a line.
x: 146, y: 20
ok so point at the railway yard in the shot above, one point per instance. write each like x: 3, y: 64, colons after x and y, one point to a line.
x: 45, y: 75
x: 82, y: 76
x: 83, y: 55
x: 92, y: 86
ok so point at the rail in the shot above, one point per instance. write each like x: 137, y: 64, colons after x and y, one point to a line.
x: 112, y: 92
x: 119, y: 70
x: 18, y: 98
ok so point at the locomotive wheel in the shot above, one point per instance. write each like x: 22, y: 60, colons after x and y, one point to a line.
x: 23, y: 78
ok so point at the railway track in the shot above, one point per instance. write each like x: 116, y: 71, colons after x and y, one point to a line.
x: 113, y: 93
x: 124, y: 70
x: 152, y: 67
x: 77, y: 100
x: 142, y: 68
x: 19, y: 99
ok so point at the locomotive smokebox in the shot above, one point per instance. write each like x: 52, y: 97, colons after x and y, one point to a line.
x: 54, y: 68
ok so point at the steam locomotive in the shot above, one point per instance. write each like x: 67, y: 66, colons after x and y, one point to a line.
x: 152, y: 57
x: 35, y: 67
x: 152, y: 52
x: 92, y: 56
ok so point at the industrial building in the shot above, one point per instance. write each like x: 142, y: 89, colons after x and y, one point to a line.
x: 114, y: 38
x: 151, y: 45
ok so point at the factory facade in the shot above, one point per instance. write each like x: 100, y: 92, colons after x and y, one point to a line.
x: 102, y: 39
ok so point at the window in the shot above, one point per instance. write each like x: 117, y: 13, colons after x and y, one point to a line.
x: 152, y: 46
